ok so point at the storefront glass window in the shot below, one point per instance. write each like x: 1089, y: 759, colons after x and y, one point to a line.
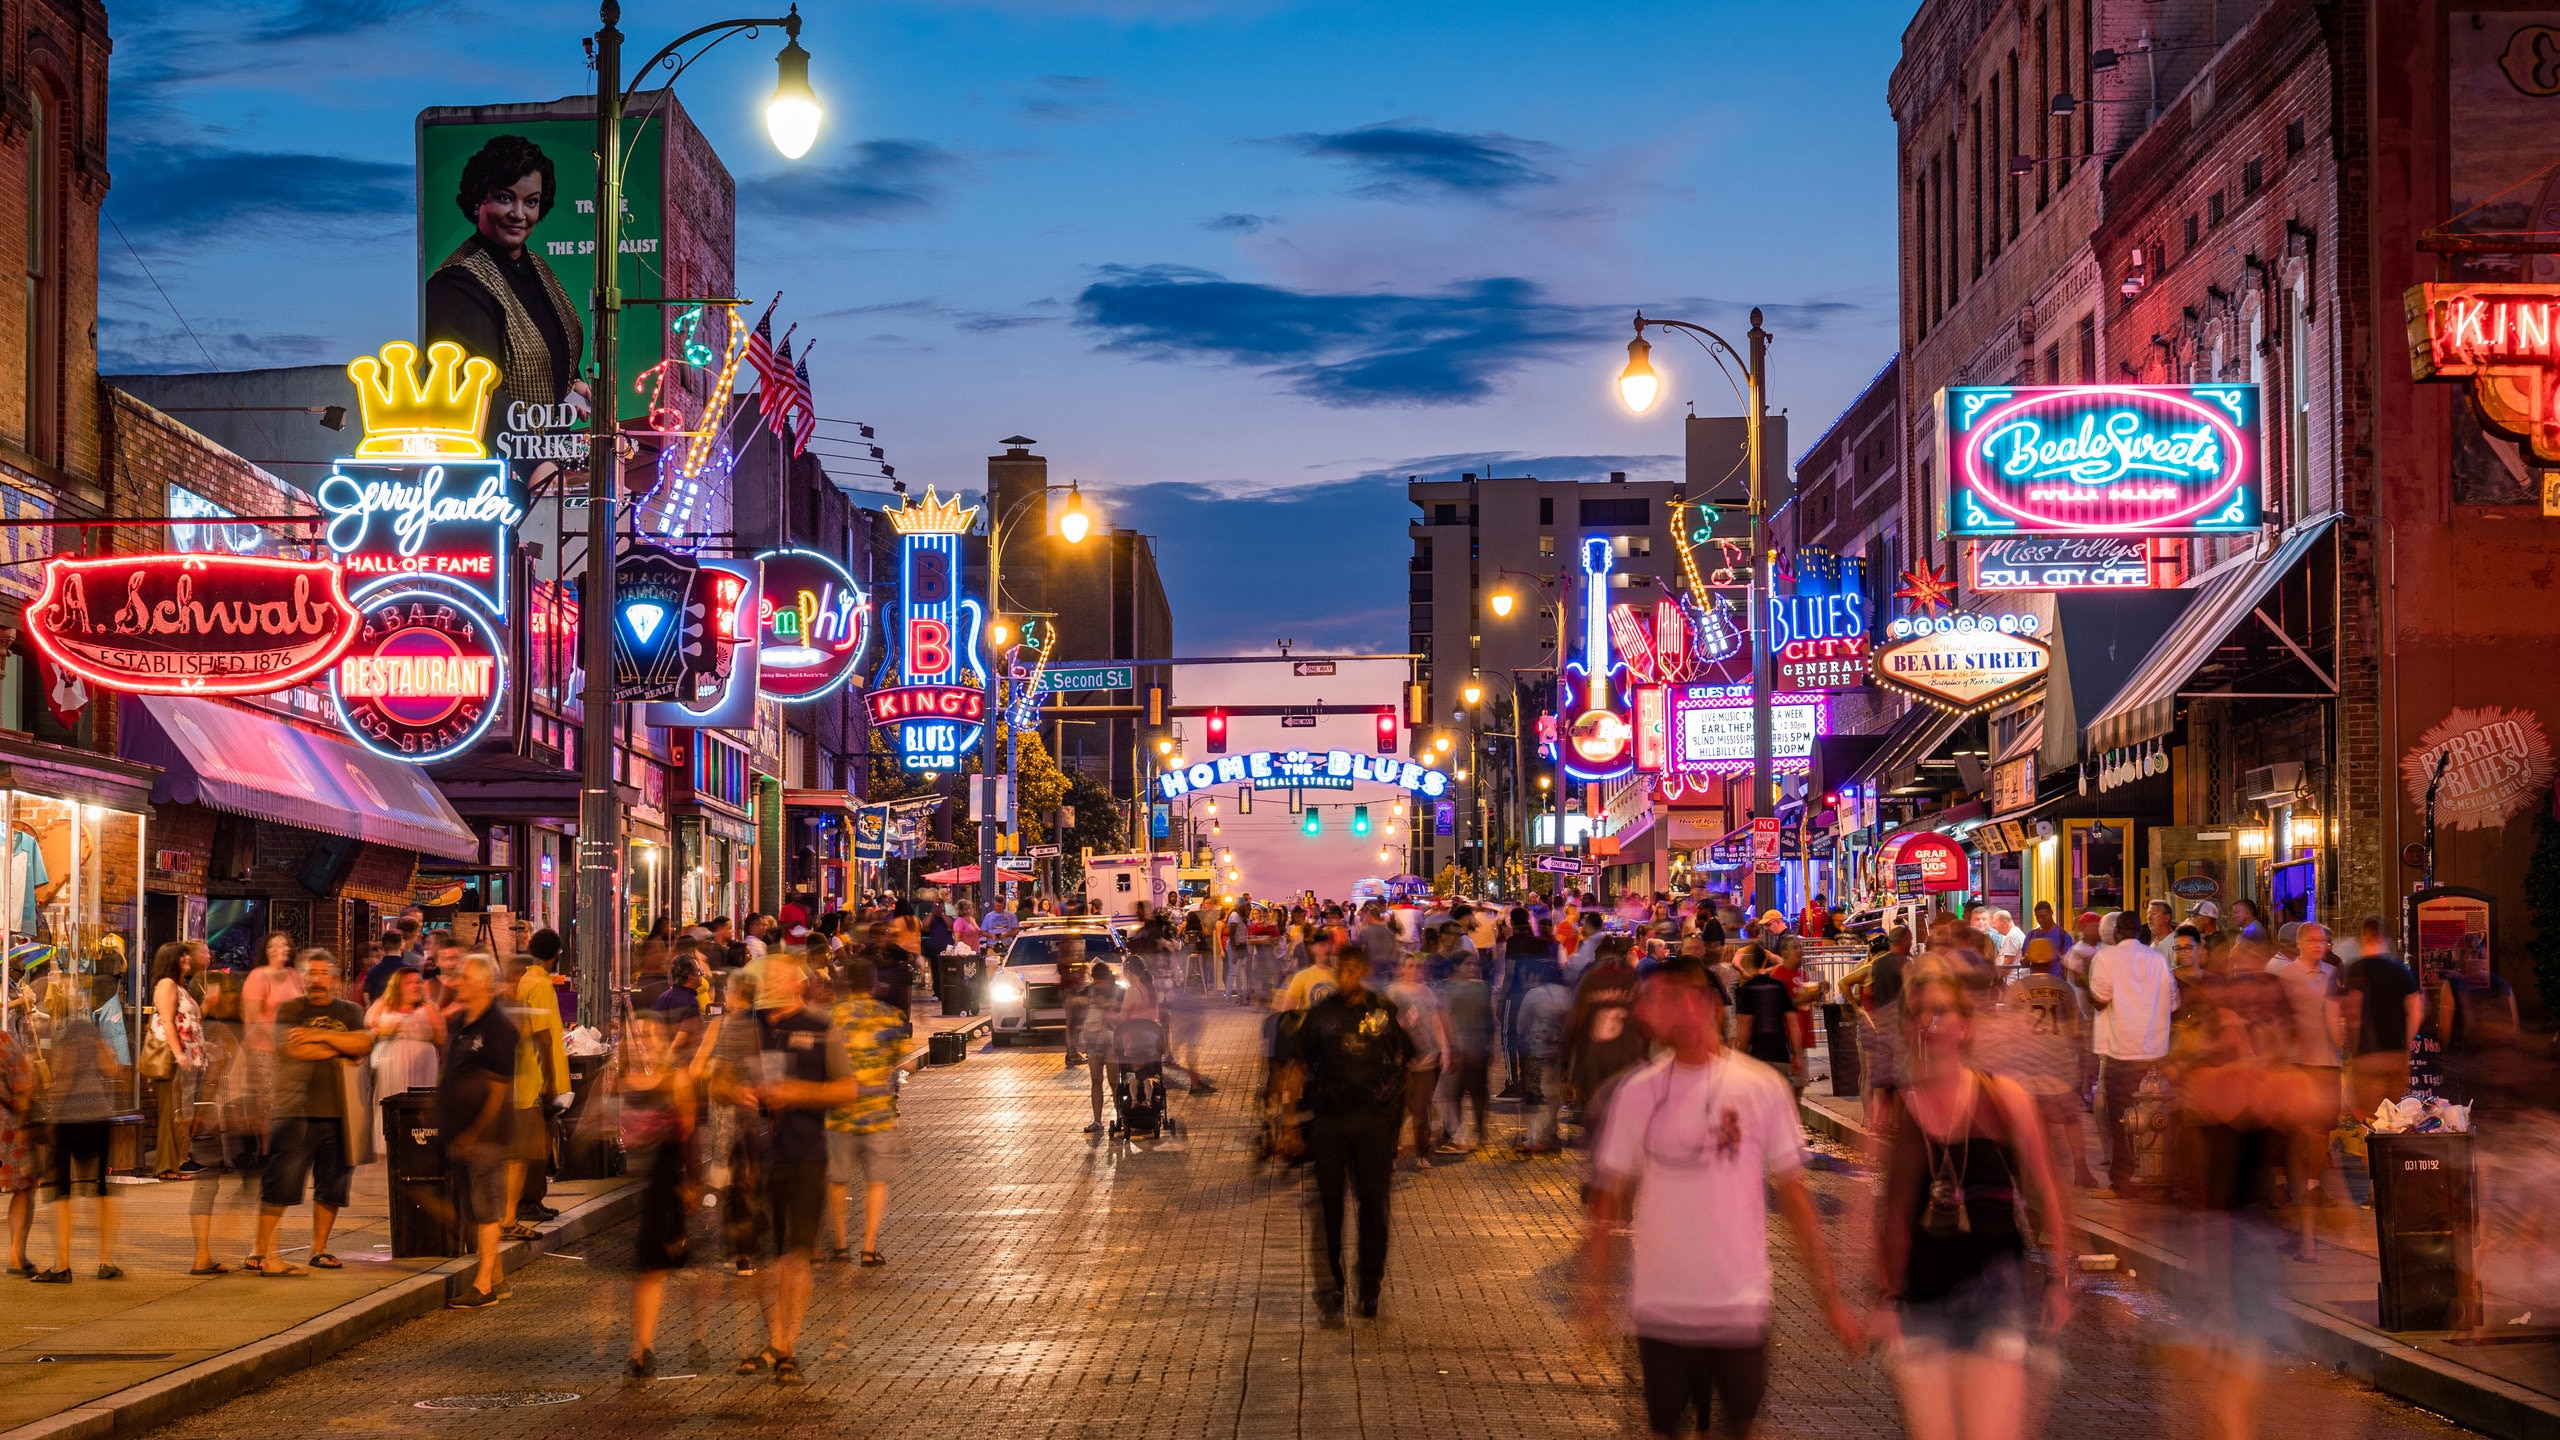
x: 2097, y: 866
x: 71, y: 900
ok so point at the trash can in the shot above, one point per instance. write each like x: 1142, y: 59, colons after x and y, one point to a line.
x: 587, y: 1150
x: 2423, y: 1221
x: 1840, y: 1032
x: 424, y: 1217
x: 946, y: 1047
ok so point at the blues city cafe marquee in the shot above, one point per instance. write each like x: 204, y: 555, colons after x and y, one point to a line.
x: 1303, y: 770
x: 2100, y: 459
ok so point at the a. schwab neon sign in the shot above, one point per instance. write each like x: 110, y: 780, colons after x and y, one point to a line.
x: 1303, y: 770
x: 2100, y: 459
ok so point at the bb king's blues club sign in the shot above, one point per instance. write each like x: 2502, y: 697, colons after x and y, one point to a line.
x: 2100, y: 459
x: 937, y: 707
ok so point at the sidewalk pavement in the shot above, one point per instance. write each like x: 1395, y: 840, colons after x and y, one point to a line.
x: 104, y: 1358
x: 2506, y: 1389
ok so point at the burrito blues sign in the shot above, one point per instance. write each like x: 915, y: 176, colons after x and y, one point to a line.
x: 2100, y: 459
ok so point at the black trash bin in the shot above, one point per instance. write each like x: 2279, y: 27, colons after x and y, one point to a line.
x: 588, y: 1150
x: 1840, y: 1032
x: 424, y: 1217
x: 2423, y: 1222
x: 946, y: 1047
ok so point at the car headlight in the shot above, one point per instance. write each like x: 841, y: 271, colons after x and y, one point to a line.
x: 1007, y: 988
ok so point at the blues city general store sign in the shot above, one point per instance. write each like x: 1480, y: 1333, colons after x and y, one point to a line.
x: 2100, y: 459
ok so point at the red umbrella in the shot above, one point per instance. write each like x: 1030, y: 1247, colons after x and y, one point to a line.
x: 966, y: 874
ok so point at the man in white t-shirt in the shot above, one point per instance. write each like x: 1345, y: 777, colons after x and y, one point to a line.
x: 1700, y: 1136
x: 2133, y: 993
x: 2008, y: 939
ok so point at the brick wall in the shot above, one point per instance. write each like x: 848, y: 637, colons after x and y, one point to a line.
x: 54, y: 50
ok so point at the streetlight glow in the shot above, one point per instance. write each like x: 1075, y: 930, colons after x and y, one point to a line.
x: 1637, y: 384
x: 791, y: 117
x: 1073, y: 522
x: 1502, y: 602
x: 1474, y: 692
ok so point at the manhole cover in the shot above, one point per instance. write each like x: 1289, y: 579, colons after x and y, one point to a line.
x: 499, y: 1400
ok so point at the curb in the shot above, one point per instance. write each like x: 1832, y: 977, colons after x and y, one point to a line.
x: 2468, y: 1397
x: 155, y: 1402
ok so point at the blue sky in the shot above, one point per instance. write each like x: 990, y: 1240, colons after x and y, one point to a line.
x: 1239, y: 265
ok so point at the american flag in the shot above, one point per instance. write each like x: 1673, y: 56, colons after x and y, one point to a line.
x: 808, y: 402
x: 774, y: 377
x: 781, y: 392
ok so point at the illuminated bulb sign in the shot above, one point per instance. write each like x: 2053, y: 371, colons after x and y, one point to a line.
x: 811, y: 625
x: 2498, y: 339
x: 420, y: 500
x: 1597, y: 737
x: 1818, y: 635
x: 723, y: 696
x: 209, y: 624
x: 1710, y: 730
x: 935, y: 641
x: 423, y: 679
x: 2062, y: 562
x: 2100, y: 459
x: 1963, y: 663
x: 1304, y: 770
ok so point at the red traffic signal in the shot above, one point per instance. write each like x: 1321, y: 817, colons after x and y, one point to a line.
x: 1217, y: 721
x: 1386, y: 732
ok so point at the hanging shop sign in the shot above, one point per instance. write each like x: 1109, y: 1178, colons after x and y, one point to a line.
x: 933, y: 643
x: 420, y: 500
x: 723, y: 697
x: 1963, y: 663
x: 210, y: 624
x: 812, y: 621
x: 1710, y: 728
x: 208, y: 526
x: 1818, y: 631
x: 1304, y: 770
x: 1926, y: 862
x: 1653, y: 729
x: 2100, y: 459
x: 423, y: 679
x: 2495, y: 760
x: 2498, y: 340
x: 2013, y: 783
x: 1597, y: 730
x: 661, y: 630
x: 2062, y: 562
x: 1765, y: 831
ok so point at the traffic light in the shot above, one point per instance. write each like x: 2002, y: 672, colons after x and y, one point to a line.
x: 1386, y: 732
x: 1155, y: 705
x: 1217, y: 722
x: 1359, y: 819
x: 1417, y: 704
x: 1313, y: 824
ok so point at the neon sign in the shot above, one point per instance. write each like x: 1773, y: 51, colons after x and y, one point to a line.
x: 1818, y: 634
x: 1598, y: 743
x: 927, y: 702
x: 2100, y: 459
x: 210, y: 624
x: 662, y: 632
x: 935, y: 642
x: 1304, y: 770
x: 2499, y: 338
x: 1710, y: 730
x: 2062, y: 562
x: 810, y: 625
x: 423, y: 681
x: 723, y: 696
x: 1963, y: 662
x: 420, y: 500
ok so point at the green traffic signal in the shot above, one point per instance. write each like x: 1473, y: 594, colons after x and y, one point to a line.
x: 1311, y: 825
x: 1359, y: 819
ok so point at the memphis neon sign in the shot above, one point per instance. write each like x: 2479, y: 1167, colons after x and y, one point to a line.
x: 2499, y: 338
x: 811, y: 624
x: 1304, y: 770
x: 2100, y: 459
x: 208, y: 624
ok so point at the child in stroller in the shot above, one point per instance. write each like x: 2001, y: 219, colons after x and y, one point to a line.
x: 1137, y: 1081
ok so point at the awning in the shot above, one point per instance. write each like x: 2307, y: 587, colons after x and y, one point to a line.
x: 2100, y: 639
x: 2147, y: 705
x: 818, y: 800
x: 249, y: 764
x: 968, y: 875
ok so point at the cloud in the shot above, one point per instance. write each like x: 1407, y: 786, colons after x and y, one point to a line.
x: 1412, y: 162
x: 1342, y: 595
x: 884, y: 180
x: 174, y: 192
x: 308, y: 18
x: 1238, y: 223
x: 1342, y: 349
x: 144, y: 347
x: 1067, y: 99
x: 1517, y: 462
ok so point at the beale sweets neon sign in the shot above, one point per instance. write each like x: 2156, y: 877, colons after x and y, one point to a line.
x: 2100, y: 459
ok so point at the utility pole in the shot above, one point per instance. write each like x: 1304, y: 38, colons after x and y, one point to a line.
x: 599, y: 807
x: 1764, y: 800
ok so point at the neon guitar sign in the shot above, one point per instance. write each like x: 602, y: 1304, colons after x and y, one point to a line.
x: 1599, y: 742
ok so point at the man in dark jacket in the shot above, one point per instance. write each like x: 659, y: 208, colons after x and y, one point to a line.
x: 1349, y: 1057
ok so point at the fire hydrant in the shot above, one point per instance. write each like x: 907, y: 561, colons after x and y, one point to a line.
x: 2146, y: 1133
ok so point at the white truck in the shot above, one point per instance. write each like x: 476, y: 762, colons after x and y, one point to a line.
x: 1118, y: 883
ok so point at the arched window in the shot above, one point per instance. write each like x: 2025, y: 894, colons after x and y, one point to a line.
x: 44, y: 274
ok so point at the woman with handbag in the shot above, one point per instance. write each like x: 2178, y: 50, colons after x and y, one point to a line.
x: 173, y: 1057
x: 408, y: 1050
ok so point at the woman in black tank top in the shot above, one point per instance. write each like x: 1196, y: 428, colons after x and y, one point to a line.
x: 1959, y: 1301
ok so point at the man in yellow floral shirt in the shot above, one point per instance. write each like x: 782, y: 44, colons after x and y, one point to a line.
x: 863, y: 1137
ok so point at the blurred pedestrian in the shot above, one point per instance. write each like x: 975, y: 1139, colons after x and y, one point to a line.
x: 735, y: 1135
x: 318, y: 1038
x: 474, y: 1100
x: 408, y: 1043
x: 862, y: 1133
x: 1466, y: 1004
x: 1545, y: 1011
x: 1602, y: 1040
x: 173, y: 1057
x: 1349, y: 1058
x: 1763, y: 1009
x: 18, y: 1173
x: 1101, y: 997
x: 2375, y: 1009
x: 1694, y: 1144
x: 1418, y: 1009
x: 541, y: 1087
x: 657, y: 1105
x: 802, y: 1071
x: 2134, y: 994
x: 79, y: 1105
x: 2305, y: 979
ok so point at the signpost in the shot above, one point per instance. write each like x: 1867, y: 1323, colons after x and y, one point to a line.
x: 1088, y: 677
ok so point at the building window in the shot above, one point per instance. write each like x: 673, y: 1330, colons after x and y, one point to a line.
x: 1446, y: 514
x: 1422, y: 552
x: 2088, y: 350
x: 1421, y: 618
x: 1422, y: 644
x: 1546, y: 544
x: 2253, y: 177
x: 1546, y: 509
x: 2213, y: 210
x: 44, y: 274
x: 1418, y: 589
x: 2192, y: 232
x: 1640, y: 545
x: 2053, y: 363
x: 2293, y: 139
x: 1635, y: 513
x: 2298, y: 414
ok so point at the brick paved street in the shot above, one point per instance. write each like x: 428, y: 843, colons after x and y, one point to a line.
x: 1045, y: 1284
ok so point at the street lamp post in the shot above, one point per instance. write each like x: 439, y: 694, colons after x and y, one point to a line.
x: 1638, y: 385
x: 791, y: 117
x: 1072, y: 526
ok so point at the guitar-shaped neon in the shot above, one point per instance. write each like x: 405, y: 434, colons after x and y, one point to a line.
x: 1599, y: 742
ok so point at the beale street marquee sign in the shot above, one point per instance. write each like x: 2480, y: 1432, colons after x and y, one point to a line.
x: 2100, y: 459
x: 207, y: 624
x: 1963, y: 663
x: 2498, y: 339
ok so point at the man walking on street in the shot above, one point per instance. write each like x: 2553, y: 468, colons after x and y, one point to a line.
x: 474, y: 1100
x: 1351, y: 1057
x: 2133, y: 993
x: 2374, y: 1010
x: 862, y: 1136
x: 1697, y: 1140
x: 316, y: 1033
x: 803, y: 1070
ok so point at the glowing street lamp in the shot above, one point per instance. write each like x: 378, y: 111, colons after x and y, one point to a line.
x: 1637, y: 384
x: 1073, y: 522
x: 791, y: 117
x: 1502, y: 601
x: 1474, y: 693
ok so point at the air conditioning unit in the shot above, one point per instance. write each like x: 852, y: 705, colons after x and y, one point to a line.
x: 2272, y: 782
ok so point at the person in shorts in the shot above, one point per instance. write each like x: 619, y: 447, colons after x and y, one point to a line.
x: 317, y: 1034
x: 474, y: 1101
x: 1695, y: 1141
x: 801, y: 1071
x: 79, y: 1108
x: 862, y: 1137
x: 657, y: 1130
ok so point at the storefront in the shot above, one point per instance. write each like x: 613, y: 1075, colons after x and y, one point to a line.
x: 72, y: 909
x: 817, y: 850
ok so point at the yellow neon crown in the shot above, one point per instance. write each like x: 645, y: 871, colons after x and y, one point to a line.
x: 931, y: 516
x: 440, y: 417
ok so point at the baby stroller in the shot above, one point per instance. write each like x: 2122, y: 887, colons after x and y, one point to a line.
x: 1137, y: 1081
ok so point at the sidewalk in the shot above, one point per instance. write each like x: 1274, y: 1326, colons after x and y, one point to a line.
x: 2508, y: 1390
x: 102, y: 1358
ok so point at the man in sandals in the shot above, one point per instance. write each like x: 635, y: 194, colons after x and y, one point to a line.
x: 802, y: 1071
x: 316, y: 1036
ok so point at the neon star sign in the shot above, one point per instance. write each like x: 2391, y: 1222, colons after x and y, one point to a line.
x: 2100, y: 459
